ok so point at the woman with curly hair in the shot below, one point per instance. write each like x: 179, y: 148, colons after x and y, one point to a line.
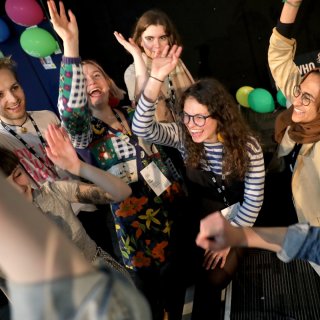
x: 224, y: 166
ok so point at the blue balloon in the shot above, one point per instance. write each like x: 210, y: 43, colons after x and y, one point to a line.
x: 4, y: 31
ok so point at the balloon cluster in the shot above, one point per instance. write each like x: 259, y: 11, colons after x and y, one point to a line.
x: 259, y: 100
x: 35, y: 41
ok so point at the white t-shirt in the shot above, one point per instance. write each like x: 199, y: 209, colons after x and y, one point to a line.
x: 38, y: 171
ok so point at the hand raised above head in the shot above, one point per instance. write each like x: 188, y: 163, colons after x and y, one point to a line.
x: 164, y: 63
x: 65, y: 27
x: 129, y: 44
x: 60, y: 150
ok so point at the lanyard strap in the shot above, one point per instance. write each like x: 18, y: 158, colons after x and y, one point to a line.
x: 135, y: 142
x: 172, y: 93
x: 221, y: 188
x: 294, y: 155
x: 30, y: 149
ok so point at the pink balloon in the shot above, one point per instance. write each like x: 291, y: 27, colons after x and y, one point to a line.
x: 24, y: 12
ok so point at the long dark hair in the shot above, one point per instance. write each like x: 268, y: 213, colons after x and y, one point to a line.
x: 8, y: 161
x: 232, y: 129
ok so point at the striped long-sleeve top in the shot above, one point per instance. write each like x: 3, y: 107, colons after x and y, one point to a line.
x: 170, y: 134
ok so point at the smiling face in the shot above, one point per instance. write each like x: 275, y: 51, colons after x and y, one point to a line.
x: 97, y: 86
x: 153, y: 40
x: 206, y: 133
x: 310, y: 88
x: 20, y: 181
x: 12, y: 99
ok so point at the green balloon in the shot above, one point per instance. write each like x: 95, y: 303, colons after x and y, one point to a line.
x: 37, y: 42
x: 281, y: 99
x: 261, y: 101
x: 242, y: 95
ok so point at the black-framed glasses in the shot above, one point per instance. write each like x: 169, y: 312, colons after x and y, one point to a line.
x: 305, y: 97
x: 198, y: 119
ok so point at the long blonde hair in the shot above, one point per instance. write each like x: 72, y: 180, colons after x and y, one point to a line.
x: 115, y: 91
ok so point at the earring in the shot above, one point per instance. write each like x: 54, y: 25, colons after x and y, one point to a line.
x: 219, y: 137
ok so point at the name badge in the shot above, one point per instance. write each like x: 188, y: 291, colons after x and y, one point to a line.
x: 127, y: 171
x: 156, y: 180
x: 230, y: 212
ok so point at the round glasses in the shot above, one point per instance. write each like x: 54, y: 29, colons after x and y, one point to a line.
x: 198, y: 119
x: 305, y: 97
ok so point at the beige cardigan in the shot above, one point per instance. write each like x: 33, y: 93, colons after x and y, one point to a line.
x: 306, y: 175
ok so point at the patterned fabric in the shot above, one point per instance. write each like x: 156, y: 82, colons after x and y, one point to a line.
x: 170, y: 134
x: 144, y: 220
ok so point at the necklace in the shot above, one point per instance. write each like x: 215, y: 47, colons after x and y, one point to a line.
x: 21, y: 126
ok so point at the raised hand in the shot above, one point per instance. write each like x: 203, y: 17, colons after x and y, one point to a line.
x: 165, y: 63
x: 129, y: 45
x: 66, y: 28
x: 60, y: 150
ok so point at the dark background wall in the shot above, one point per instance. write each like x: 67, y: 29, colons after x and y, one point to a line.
x: 224, y: 39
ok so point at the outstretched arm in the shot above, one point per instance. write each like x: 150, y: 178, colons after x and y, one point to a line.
x: 217, y: 233
x: 72, y: 101
x: 61, y: 152
x: 139, y: 64
x: 289, y: 11
x: 67, y: 29
x: 299, y: 241
x: 282, y: 50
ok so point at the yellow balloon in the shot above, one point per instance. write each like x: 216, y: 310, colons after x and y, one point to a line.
x: 242, y: 95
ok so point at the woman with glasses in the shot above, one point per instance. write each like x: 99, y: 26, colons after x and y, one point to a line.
x: 297, y: 129
x: 224, y: 167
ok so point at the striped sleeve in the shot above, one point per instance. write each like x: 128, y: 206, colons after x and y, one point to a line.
x: 72, y: 102
x: 144, y: 125
x: 254, y: 187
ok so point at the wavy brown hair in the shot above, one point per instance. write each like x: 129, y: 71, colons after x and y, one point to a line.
x: 155, y: 17
x: 231, y: 127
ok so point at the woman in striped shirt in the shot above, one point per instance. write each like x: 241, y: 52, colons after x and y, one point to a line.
x: 224, y: 163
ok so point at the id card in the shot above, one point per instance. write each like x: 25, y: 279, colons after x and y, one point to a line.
x: 126, y: 171
x: 230, y: 212
x: 156, y: 180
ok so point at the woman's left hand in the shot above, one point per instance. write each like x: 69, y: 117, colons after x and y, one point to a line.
x: 60, y: 150
x: 212, y: 258
x: 164, y: 63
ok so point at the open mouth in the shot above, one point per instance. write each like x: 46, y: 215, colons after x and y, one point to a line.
x: 96, y: 92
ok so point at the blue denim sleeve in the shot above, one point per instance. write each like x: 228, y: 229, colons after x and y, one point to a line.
x: 301, y: 242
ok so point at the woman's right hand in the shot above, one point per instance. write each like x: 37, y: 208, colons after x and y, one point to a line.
x: 66, y: 28
x: 129, y: 45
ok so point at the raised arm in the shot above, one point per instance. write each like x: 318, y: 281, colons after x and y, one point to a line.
x: 61, y: 152
x: 141, y: 73
x: 72, y: 101
x: 282, y: 50
x: 144, y: 124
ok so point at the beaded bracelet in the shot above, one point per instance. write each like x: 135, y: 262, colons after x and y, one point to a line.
x: 296, y: 5
x: 156, y: 79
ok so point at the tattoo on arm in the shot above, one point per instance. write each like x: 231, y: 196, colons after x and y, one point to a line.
x: 92, y: 194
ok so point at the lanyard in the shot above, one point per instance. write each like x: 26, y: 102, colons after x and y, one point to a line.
x: 172, y: 98
x: 294, y: 155
x: 43, y: 143
x: 140, y: 153
x: 221, y: 188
